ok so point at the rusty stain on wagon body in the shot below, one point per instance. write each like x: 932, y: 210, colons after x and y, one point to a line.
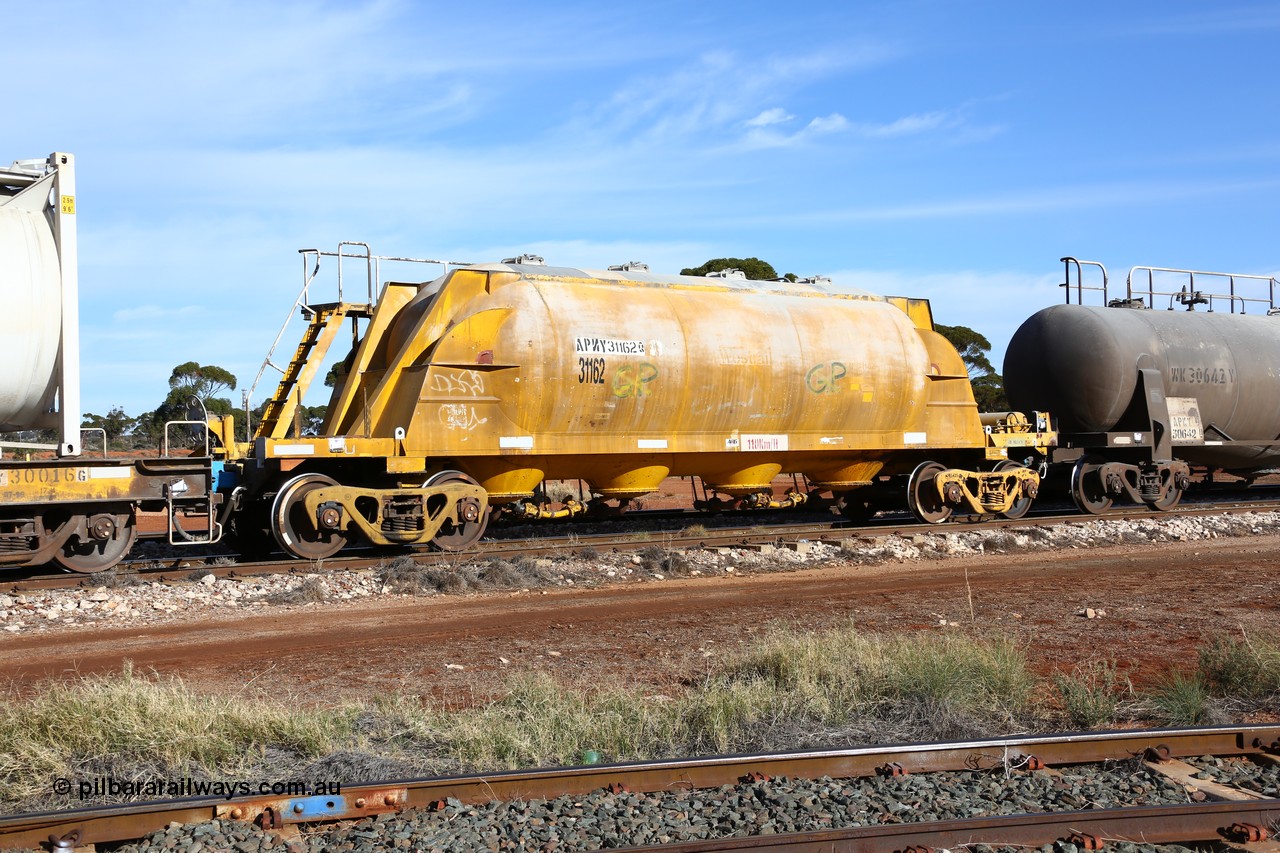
x: 521, y: 373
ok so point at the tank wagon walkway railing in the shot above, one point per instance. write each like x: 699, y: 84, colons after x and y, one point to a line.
x: 1191, y: 295
x: 1188, y: 291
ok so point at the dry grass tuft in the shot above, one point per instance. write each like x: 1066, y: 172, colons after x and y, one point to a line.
x: 792, y: 689
x: 128, y: 721
x: 309, y: 591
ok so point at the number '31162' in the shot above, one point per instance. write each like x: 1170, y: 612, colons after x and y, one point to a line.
x: 591, y: 371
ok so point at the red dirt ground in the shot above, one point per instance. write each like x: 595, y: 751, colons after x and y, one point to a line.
x: 1161, y: 602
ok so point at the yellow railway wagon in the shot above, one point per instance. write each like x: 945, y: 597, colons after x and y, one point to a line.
x: 471, y: 390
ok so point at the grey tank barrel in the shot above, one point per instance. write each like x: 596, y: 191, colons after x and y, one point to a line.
x: 1081, y: 363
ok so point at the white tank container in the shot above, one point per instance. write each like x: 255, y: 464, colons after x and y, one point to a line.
x: 31, y: 298
x: 39, y: 303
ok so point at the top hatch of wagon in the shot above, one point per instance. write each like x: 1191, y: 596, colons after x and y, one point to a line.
x: 816, y: 286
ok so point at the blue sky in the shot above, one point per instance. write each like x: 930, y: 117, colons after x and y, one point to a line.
x: 947, y: 150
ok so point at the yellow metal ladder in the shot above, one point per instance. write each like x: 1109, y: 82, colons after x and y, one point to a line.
x: 323, y: 322
x: 326, y: 321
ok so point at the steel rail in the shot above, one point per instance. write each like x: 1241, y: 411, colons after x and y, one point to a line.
x: 1238, y: 823
x: 787, y: 534
x: 131, y: 821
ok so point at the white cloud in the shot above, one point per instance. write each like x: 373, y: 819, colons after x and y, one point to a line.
x: 762, y: 133
x: 765, y: 137
x: 908, y: 125
x: 310, y: 72
x: 776, y: 115
x: 156, y: 313
x: 827, y: 124
x: 993, y: 302
x: 1219, y: 20
x: 1042, y: 200
x: 714, y: 96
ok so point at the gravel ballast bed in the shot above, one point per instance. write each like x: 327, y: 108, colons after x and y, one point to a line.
x: 131, y: 599
x: 777, y: 806
x: 1239, y: 773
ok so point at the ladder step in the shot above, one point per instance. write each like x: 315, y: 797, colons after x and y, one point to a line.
x: 321, y: 325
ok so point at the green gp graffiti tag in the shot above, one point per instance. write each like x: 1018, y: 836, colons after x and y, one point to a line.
x: 825, y: 378
x: 632, y: 380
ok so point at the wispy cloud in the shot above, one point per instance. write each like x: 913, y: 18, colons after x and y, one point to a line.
x: 767, y: 136
x: 765, y: 130
x: 1046, y: 199
x: 718, y: 94
x: 964, y: 297
x: 1221, y: 19
x: 827, y: 124
x: 775, y: 115
x: 907, y: 125
x: 156, y: 313
x: 307, y: 71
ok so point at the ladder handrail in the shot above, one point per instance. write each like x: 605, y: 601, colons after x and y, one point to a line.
x: 369, y: 265
x: 303, y: 303
x: 1189, y: 296
x: 1079, y: 265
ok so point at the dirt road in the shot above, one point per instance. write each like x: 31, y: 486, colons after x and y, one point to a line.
x: 1160, y: 602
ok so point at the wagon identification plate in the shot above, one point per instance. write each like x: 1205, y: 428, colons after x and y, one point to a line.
x: 1184, y: 421
x: 764, y: 442
x: 607, y: 346
x: 44, y: 476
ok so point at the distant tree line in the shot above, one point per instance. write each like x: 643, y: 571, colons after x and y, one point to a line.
x: 188, y: 381
x: 754, y: 268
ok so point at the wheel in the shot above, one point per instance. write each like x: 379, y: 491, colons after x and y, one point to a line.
x: 457, y: 534
x: 922, y: 494
x: 294, y: 530
x: 1087, y: 488
x: 109, y: 537
x: 1022, y: 505
x: 855, y: 508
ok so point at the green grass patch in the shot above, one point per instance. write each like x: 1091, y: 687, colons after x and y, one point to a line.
x: 1091, y: 694
x: 130, y: 723
x: 790, y: 689
x: 1183, y: 699
x: 852, y: 670
x: 1232, y: 674
x: 1244, y: 668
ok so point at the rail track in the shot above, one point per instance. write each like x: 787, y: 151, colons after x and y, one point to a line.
x: 1158, y: 789
x: 665, y: 529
